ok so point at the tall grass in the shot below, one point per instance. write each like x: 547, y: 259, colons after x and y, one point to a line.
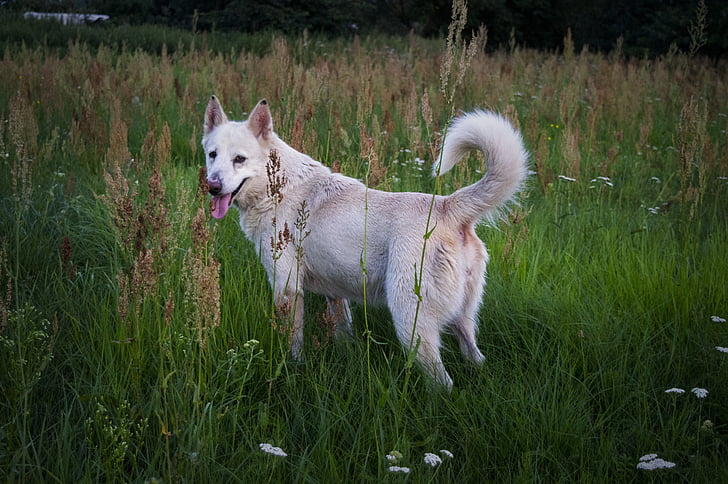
x: 135, y: 333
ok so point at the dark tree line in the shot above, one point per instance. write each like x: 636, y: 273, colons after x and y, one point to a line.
x: 645, y: 26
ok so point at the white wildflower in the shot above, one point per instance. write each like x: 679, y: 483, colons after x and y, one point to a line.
x: 251, y: 344
x: 700, y: 392
x: 567, y: 178
x: 268, y: 448
x: 394, y: 456
x: 603, y: 179
x: 402, y: 470
x: 722, y: 349
x: 432, y: 460
x: 717, y: 319
x: 651, y: 462
x: 446, y: 453
x: 675, y: 390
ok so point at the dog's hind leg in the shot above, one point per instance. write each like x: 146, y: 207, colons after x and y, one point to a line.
x: 340, y: 314
x: 465, y: 324
x: 426, y: 342
x: 427, y: 345
x: 417, y: 325
x: 465, y: 330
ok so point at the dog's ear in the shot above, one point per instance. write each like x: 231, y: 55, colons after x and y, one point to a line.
x: 214, y: 115
x: 260, y: 121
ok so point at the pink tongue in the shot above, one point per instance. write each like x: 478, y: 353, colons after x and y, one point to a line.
x: 220, y: 205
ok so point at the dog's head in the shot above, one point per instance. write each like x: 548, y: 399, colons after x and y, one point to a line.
x: 235, y: 152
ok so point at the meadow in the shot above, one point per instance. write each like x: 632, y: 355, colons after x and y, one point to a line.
x: 139, y: 340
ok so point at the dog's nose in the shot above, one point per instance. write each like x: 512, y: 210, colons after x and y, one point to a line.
x: 214, y: 186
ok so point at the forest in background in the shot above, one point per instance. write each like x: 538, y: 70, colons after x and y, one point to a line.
x: 637, y: 27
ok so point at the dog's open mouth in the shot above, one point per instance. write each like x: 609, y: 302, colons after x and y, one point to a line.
x: 220, y: 204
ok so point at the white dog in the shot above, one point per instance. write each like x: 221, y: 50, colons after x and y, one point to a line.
x: 356, y: 238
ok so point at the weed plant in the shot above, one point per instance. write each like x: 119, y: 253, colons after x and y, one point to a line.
x: 135, y: 333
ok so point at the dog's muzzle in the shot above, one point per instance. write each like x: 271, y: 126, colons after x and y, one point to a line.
x: 219, y: 204
x: 214, y: 186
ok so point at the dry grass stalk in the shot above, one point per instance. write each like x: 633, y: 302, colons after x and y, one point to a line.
x: 455, y: 48
x: 23, y: 133
x: 544, y: 173
x: 202, y: 187
x: 201, y: 271
x: 67, y: 265
x: 568, y: 46
x: 276, y: 177
x: 89, y: 133
x: 282, y: 317
x: 691, y: 137
x: 697, y: 29
x: 515, y: 238
x: 123, y: 299
x: 202, y: 279
x: 304, y: 114
x: 645, y: 130
x: 163, y: 148
x: 572, y: 155
x: 169, y: 308
x: 143, y: 229
x: 377, y: 172
x: 146, y: 154
x: 432, y: 130
x: 119, y: 199
x: 118, y: 151
x: 411, y: 121
x: 277, y: 181
x: 511, y: 114
x: 301, y: 232
x: 6, y: 298
x: 328, y: 323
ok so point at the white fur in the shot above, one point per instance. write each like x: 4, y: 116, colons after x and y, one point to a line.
x: 453, y: 275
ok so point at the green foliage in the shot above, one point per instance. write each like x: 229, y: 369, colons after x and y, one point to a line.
x: 136, y: 341
x: 643, y: 27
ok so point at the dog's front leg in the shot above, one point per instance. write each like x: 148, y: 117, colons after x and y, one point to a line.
x: 289, y: 311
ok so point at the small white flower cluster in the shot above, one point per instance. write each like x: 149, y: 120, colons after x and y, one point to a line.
x: 431, y: 459
x: 251, y: 344
x: 394, y: 457
x: 650, y: 462
x: 605, y: 180
x: 269, y: 449
x: 699, y: 392
x: 718, y: 319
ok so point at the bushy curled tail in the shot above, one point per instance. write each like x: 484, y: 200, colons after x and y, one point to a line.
x: 506, y: 161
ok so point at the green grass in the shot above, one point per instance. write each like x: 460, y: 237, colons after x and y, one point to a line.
x: 599, y: 295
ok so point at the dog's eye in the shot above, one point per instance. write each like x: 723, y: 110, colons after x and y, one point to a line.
x: 213, y: 154
x: 239, y: 159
